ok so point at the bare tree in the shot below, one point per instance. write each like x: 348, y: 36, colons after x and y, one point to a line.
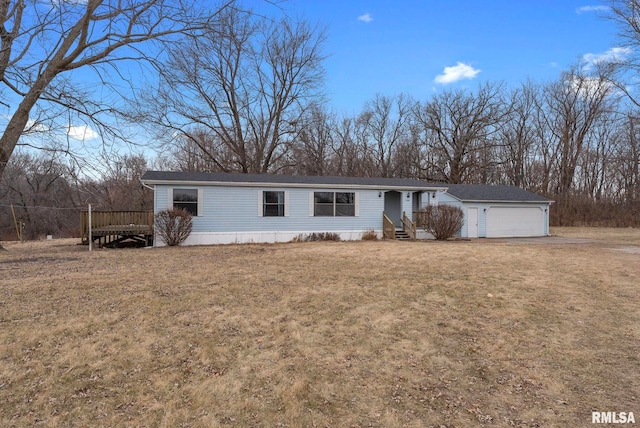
x: 627, y: 161
x: 595, y: 174
x: 624, y: 64
x: 387, y: 121
x: 244, y: 84
x: 572, y: 106
x: 120, y: 187
x: 518, y: 137
x: 45, y: 44
x: 200, y: 151
x: 456, y: 126
x: 313, y: 151
x: 42, y: 194
x: 351, y: 156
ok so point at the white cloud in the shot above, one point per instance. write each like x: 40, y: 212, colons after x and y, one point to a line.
x: 33, y: 127
x: 612, y: 56
x: 457, y: 72
x: 589, y: 9
x: 367, y: 18
x: 81, y: 133
x: 591, y: 87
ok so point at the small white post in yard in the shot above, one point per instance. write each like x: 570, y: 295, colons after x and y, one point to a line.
x: 90, y: 237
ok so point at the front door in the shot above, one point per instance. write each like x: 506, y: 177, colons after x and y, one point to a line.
x: 393, y: 207
x: 472, y: 223
x: 416, y: 205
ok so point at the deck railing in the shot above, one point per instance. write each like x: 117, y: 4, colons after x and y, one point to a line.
x: 388, y: 228
x: 408, y: 226
x: 116, y: 223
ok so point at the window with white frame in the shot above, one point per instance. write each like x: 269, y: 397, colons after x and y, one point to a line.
x: 186, y: 199
x: 273, y: 204
x: 334, y: 204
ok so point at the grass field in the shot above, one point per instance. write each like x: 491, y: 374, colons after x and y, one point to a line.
x: 393, y: 334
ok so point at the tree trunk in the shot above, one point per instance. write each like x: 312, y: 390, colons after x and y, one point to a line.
x: 19, y: 119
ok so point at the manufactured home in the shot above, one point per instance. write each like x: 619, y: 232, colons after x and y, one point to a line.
x: 241, y: 208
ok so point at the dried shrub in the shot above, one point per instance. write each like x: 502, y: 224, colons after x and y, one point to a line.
x: 317, y: 236
x: 370, y: 235
x: 442, y: 221
x: 173, y: 226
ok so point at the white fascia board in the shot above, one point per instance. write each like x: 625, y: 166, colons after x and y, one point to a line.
x: 490, y: 201
x: 294, y: 185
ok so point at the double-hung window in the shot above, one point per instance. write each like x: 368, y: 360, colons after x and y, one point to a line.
x: 273, y: 204
x: 186, y: 199
x: 334, y: 204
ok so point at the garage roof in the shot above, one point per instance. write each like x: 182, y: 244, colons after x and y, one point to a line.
x: 498, y: 193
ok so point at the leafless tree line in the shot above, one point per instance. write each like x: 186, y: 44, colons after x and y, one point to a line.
x: 574, y: 140
x: 238, y: 92
x: 47, y: 193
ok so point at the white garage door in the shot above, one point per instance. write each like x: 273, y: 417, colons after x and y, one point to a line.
x: 510, y: 221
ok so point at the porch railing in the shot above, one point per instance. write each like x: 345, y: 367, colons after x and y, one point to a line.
x: 388, y: 228
x: 107, y: 223
x: 408, y: 226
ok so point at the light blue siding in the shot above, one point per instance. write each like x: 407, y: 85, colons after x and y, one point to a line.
x: 233, y: 213
x: 485, y: 207
x: 446, y: 199
x: 236, y: 209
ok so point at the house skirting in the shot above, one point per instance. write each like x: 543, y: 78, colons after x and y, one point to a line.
x: 213, y: 238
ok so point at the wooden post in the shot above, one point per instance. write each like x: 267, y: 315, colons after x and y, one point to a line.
x: 90, y: 237
x: 15, y: 222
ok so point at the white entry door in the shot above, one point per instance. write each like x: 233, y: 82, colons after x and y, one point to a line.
x: 472, y: 223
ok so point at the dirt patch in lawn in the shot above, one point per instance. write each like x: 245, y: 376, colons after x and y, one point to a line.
x: 545, y: 240
x: 629, y: 250
x: 396, y: 334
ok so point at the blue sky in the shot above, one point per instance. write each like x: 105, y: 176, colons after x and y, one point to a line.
x: 423, y: 47
x: 389, y: 47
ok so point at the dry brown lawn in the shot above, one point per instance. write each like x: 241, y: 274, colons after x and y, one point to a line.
x: 393, y: 334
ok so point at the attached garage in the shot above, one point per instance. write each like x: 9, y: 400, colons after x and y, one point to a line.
x: 499, y: 211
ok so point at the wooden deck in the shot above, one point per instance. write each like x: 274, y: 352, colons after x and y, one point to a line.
x: 114, y: 228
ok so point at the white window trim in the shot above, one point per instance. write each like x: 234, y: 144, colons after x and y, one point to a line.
x: 356, y: 203
x: 200, y: 198
x: 261, y: 202
x: 286, y: 203
x: 200, y: 202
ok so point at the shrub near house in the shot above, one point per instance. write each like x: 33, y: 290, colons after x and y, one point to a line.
x: 173, y: 226
x: 442, y: 221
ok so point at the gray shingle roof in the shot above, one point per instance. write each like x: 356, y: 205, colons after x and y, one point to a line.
x: 481, y: 192
x: 222, y: 177
x: 464, y: 192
